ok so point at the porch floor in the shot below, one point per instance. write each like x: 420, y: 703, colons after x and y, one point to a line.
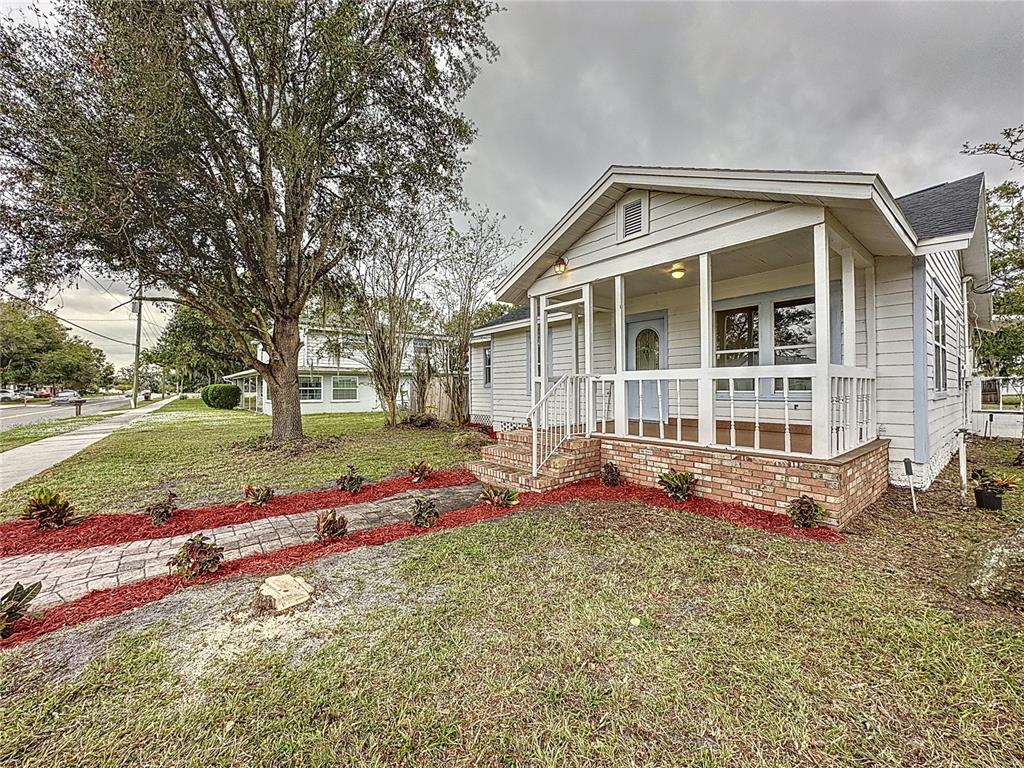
x: 772, y: 434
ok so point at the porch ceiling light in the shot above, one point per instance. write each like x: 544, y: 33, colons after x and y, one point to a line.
x: 678, y: 272
x: 560, y: 266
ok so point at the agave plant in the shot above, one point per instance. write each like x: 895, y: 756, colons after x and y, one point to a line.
x: 805, y: 512
x: 352, y: 481
x: 499, y: 497
x: 678, y: 485
x: 14, y: 605
x: 420, y: 471
x: 330, y: 525
x: 258, y: 495
x: 161, y: 511
x: 50, y: 510
x: 424, y: 512
x: 610, y: 475
x: 197, y: 556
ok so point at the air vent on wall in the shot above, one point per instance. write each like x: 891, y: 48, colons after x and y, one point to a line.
x: 632, y: 218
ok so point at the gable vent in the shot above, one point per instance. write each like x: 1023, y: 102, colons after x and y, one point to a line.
x: 632, y: 218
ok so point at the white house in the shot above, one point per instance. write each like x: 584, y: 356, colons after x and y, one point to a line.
x: 776, y: 332
x: 333, y: 375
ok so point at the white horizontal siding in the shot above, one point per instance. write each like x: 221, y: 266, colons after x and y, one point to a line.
x: 480, y: 400
x: 894, y: 388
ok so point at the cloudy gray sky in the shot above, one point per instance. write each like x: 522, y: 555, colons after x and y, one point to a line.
x: 888, y: 88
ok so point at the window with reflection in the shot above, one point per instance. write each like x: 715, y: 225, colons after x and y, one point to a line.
x: 793, y: 338
x: 648, y: 350
x: 736, y: 343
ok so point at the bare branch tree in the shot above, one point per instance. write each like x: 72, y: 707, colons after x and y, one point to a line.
x: 465, y: 283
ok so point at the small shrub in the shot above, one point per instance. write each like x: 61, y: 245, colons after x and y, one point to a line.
x: 14, y: 605
x: 352, y: 481
x: 420, y: 471
x: 161, y: 511
x: 467, y: 440
x: 330, y: 525
x: 197, y: 556
x: 183, y: 396
x: 805, y: 512
x: 678, y: 485
x: 421, y: 420
x: 610, y: 475
x: 499, y: 497
x: 204, y: 395
x: 258, y: 495
x: 223, y: 396
x: 50, y: 510
x: 996, y: 483
x: 424, y: 512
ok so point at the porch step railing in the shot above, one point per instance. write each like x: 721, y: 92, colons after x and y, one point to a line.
x: 561, y: 412
x: 765, y: 408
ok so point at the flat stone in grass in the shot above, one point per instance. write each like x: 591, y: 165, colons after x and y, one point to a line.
x: 995, y: 571
x: 280, y: 593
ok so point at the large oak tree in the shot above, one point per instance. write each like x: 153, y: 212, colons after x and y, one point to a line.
x: 226, y: 152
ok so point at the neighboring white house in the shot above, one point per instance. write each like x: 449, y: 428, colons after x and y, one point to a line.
x: 682, y: 308
x: 333, y: 375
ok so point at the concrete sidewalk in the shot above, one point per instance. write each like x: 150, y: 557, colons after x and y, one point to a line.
x: 26, y: 461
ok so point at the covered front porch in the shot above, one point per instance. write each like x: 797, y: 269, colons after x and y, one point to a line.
x: 763, y: 346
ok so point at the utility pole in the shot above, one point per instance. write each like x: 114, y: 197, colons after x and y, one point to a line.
x: 138, y: 343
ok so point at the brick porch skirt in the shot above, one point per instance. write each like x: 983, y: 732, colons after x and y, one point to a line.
x: 844, y: 486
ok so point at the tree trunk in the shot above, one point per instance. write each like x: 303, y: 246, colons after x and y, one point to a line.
x: 283, y: 380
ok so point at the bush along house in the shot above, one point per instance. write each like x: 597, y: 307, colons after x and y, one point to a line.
x: 777, y: 333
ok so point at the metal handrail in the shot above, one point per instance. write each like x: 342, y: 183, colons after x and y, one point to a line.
x: 549, y: 434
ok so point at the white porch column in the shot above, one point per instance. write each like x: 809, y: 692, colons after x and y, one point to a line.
x: 542, y: 353
x: 588, y: 355
x: 588, y: 329
x: 849, y: 311
x: 705, y: 386
x: 821, y: 396
x: 531, y: 374
x: 870, y: 316
x: 620, y: 397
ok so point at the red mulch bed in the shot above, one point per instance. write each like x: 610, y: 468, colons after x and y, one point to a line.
x: 23, y: 537
x: 108, y: 602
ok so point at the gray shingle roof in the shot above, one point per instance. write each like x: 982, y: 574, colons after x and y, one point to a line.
x: 945, y: 209
x: 519, y: 313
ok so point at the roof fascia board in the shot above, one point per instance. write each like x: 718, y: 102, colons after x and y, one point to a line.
x: 479, y: 333
x: 956, y: 242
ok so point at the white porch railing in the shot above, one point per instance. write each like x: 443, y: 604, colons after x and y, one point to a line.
x: 561, y: 412
x: 763, y: 408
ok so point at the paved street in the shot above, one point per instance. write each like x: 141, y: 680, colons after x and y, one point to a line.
x: 17, y: 415
x: 70, y: 574
x: 25, y: 461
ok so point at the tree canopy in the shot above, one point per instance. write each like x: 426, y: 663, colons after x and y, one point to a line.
x: 199, y: 351
x: 227, y: 152
x: 1002, y: 353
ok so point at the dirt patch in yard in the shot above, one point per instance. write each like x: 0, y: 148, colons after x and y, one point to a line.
x: 216, y: 624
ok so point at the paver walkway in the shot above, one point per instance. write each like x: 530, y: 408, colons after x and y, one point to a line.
x: 70, y: 574
x: 25, y: 461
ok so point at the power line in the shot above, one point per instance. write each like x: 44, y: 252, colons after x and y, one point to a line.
x: 76, y: 325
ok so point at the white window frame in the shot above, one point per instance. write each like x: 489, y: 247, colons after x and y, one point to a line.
x: 944, y: 348
x: 645, y: 214
x: 765, y: 304
x: 355, y: 387
x: 488, y: 362
x: 319, y: 379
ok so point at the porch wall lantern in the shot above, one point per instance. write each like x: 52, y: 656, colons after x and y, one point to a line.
x: 560, y: 266
x: 678, y: 272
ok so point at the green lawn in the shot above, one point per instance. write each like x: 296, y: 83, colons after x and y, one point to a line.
x: 29, y: 433
x: 584, y: 635
x: 196, y: 451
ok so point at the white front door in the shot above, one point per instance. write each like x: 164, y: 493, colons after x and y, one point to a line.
x: 647, y: 350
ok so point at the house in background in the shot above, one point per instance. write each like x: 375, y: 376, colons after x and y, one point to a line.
x: 333, y: 375
x: 774, y: 332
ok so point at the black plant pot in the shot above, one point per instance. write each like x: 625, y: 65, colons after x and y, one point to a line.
x: 987, y: 499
